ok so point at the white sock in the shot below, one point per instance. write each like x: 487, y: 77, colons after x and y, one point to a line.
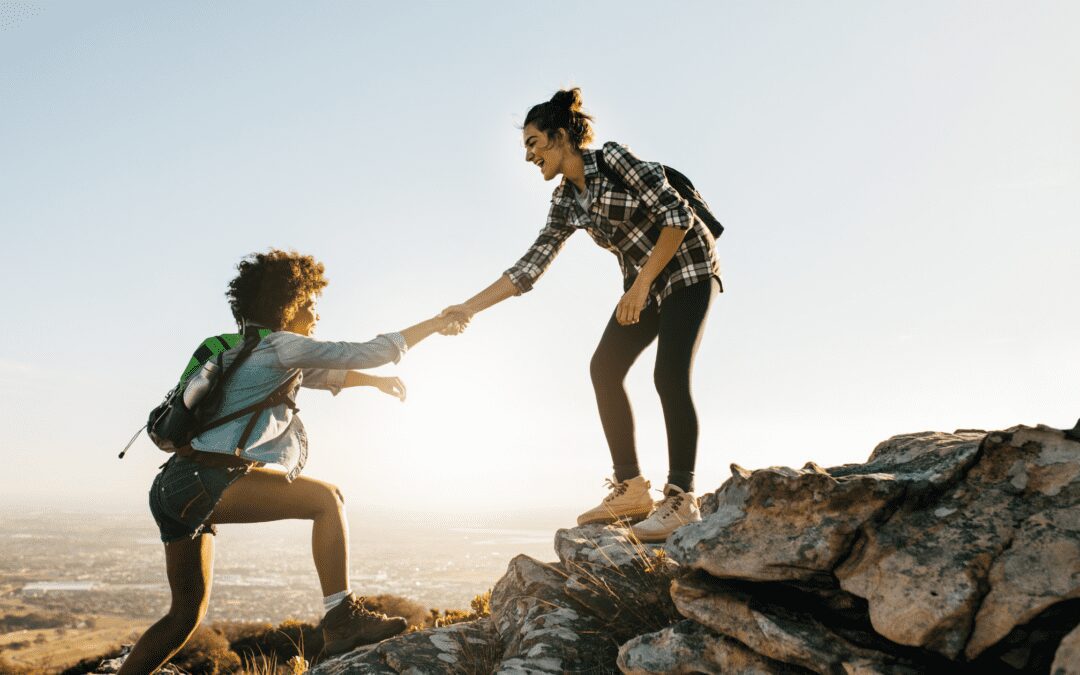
x: 332, y: 601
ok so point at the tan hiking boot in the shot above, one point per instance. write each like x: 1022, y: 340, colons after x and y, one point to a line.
x: 628, y: 500
x: 351, y: 624
x: 678, y: 508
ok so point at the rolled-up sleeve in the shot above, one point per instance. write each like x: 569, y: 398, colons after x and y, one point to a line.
x: 298, y: 351
x: 526, y: 271
x: 322, y: 378
x: 651, y: 184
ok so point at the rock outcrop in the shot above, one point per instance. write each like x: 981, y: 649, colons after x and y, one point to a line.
x: 566, y: 616
x: 944, y: 552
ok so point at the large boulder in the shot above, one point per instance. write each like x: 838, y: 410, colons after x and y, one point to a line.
x: 957, y: 546
x: 1002, y: 544
x: 785, y: 524
x: 773, y: 625
x: 782, y: 524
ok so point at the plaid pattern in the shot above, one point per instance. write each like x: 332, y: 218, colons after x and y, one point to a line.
x: 626, y: 224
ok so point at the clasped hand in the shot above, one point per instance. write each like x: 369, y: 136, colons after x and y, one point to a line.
x: 455, y: 319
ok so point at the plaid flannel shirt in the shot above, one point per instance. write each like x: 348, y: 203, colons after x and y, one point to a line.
x: 627, y: 224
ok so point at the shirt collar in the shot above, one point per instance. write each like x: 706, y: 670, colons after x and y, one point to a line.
x: 566, y: 191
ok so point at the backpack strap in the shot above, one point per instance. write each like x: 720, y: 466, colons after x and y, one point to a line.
x: 678, y: 181
x: 278, y: 396
x: 611, y: 174
x: 251, y: 340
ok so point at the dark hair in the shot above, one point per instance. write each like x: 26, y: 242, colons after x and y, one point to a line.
x: 271, y: 286
x: 563, y: 111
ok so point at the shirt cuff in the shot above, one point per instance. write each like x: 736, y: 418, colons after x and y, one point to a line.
x: 678, y: 219
x: 398, y: 340
x: 335, y: 381
x: 522, y: 281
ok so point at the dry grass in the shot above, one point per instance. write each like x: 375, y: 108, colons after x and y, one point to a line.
x: 636, y: 595
x: 256, y: 648
x: 479, y: 607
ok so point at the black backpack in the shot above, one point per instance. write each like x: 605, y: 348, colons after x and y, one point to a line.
x: 172, y: 425
x: 678, y: 181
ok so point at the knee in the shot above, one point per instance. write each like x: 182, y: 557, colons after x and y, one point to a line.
x: 604, y: 371
x: 330, y: 499
x: 188, y: 614
x: 671, y: 385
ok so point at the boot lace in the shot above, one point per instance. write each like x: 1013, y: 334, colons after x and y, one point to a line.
x: 617, y: 489
x: 670, y: 506
x: 357, y: 608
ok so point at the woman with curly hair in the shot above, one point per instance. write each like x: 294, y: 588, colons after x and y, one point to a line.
x: 221, y: 478
x: 670, y: 276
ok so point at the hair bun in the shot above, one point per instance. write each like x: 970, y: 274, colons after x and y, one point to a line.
x: 562, y: 111
x: 568, y: 99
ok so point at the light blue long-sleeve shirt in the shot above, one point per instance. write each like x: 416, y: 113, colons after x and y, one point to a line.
x: 278, y: 436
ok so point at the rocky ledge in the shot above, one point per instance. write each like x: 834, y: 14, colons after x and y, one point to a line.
x: 955, y: 553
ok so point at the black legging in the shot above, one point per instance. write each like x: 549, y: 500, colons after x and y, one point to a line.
x: 679, y: 324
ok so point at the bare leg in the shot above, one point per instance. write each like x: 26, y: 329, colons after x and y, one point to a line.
x: 264, y: 495
x: 189, y: 565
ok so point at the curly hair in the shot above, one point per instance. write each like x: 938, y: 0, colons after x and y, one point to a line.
x: 271, y: 286
x: 563, y: 111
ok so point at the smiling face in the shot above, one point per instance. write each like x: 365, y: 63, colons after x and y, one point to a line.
x: 307, y: 315
x: 549, y: 152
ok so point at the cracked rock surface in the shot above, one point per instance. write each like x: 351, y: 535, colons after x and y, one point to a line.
x: 558, y: 617
x: 955, y: 553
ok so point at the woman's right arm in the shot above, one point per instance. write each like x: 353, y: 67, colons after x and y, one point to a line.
x: 502, y: 289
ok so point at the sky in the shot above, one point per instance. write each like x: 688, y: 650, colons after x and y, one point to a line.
x: 899, y: 183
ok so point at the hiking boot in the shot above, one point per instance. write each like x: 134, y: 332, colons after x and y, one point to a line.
x: 628, y: 500
x: 677, y: 509
x: 351, y: 624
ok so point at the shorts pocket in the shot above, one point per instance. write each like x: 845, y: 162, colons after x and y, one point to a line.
x: 184, y: 497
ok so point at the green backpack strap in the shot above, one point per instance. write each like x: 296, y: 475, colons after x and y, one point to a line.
x: 211, y: 347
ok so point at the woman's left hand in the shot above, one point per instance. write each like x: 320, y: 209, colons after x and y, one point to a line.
x: 633, y: 301
x: 392, y: 386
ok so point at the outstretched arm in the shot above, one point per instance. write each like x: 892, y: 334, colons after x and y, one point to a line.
x: 524, y: 273
x: 502, y: 289
x: 392, y: 386
x: 415, y: 334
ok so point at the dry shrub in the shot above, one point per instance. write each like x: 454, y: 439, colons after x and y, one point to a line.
x: 234, y: 631
x: 480, y: 606
x: 87, y: 665
x: 395, y: 605
x: 207, y: 653
x: 279, y: 645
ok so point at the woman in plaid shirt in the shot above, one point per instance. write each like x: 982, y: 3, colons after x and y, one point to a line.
x: 670, y: 274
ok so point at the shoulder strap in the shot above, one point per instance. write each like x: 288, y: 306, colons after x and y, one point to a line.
x: 214, y: 345
x: 251, y: 340
x: 677, y: 180
x: 278, y: 396
x: 611, y: 174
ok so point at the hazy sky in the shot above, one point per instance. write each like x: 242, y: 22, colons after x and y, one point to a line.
x: 899, y: 182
